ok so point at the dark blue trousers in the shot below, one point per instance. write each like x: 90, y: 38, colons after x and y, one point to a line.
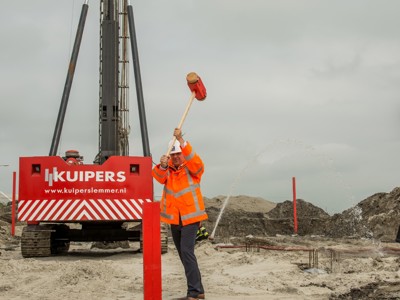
x: 184, y: 239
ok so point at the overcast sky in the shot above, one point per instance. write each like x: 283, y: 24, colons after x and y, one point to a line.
x: 305, y: 89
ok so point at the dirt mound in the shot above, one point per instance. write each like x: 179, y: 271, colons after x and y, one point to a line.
x: 377, y: 216
x: 258, y: 217
x: 304, y: 209
x: 246, y: 203
x: 379, y: 290
x: 310, y: 218
x: 5, y: 212
x: 239, y: 210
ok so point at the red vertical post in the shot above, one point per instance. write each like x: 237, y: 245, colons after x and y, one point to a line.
x: 151, y: 251
x: 294, y: 204
x: 13, y: 213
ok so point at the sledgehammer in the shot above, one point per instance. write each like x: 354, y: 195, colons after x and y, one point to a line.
x: 198, y: 91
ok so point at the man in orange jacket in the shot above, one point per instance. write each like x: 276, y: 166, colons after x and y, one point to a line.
x: 182, y: 206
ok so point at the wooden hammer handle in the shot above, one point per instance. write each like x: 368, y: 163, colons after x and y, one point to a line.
x: 192, y: 96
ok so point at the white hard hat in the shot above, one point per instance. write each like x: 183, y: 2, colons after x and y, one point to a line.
x: 176, y: 148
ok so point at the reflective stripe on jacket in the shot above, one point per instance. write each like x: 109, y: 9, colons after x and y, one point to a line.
x: 182, y: 195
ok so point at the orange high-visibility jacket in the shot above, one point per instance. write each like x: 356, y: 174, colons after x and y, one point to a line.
x: 182, y: 195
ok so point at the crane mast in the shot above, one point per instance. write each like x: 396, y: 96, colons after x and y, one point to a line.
x: 113, y: 80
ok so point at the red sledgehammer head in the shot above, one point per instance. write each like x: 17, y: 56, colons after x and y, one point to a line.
x: 196, y: 85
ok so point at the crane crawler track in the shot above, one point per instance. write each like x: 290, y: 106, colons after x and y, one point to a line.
x: 41, y: 241
x: 36, y: 241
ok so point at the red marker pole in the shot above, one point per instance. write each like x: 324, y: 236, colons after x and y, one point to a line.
x: 13, y: 214
x: 294, y: 204
x: 151, y: 251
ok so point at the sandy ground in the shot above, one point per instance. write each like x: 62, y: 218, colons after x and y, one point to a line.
x: 303, y: 268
